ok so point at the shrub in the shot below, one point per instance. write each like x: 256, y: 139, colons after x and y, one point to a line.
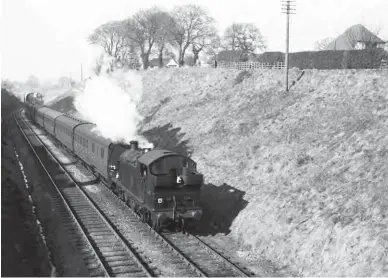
x: 241, y: 76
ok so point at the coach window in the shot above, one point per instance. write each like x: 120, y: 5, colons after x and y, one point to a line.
x: 87, y: 143
x: 102, y: 153
x: 92, y: 147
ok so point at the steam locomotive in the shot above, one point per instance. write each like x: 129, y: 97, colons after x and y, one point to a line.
x: 161, y: 186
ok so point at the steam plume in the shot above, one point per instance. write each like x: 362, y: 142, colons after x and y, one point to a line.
x: 109, y: 100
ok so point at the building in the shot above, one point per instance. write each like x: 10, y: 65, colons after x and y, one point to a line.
x: 172, y: 64
x: 167, y: 62
x: 356, y: 37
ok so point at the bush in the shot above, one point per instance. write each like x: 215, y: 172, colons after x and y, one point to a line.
x: 271, y: 57
x: 342, y: 59
x: 329, y: 59
x: 241, y: 76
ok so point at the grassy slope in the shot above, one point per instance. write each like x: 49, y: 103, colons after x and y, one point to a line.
x: 313, y: 162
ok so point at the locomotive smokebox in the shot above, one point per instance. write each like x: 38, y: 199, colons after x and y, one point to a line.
x: 134, y: 145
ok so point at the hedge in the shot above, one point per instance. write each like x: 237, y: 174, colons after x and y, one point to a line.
x: 329, y: 59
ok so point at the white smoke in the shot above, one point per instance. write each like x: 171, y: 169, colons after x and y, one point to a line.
x: 109, y: 100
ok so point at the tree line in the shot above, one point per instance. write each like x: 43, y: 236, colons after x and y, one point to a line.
x: 186, y: 28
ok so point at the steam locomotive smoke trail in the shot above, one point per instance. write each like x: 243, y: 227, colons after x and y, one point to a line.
x: 109, y: 100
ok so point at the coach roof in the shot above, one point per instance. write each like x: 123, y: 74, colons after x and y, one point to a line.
x: 86, y: 130
x: 52, y: 114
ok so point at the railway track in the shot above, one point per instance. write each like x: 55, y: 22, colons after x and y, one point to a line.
x: 211, y: 262
x: 104, y: 251
x: 188, y: 254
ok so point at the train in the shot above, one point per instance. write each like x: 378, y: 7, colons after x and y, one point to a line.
x: 161, y: 186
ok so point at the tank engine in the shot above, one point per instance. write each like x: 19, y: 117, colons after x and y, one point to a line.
x: 165, y: 185
x: 161, y: 186
x: 34, y: 98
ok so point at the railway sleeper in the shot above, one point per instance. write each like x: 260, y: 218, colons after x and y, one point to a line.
x: 127, y: 269
x: 115, y: 258
x: 114, y: 253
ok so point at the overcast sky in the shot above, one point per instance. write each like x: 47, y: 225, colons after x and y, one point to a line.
x: 46, y: 38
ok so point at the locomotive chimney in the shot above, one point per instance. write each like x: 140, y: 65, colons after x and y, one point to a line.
x: 134, y: 145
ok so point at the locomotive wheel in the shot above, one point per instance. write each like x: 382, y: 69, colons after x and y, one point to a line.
x: 123, y: 197
x: 143, y: 215
x: 148, y: 217
x: 183, y: 225
x: 156, y: 226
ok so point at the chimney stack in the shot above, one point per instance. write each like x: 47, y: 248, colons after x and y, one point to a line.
x: 134, y: 145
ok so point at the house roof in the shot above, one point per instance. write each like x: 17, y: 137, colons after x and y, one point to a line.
x: 354, y: 34
x: 172, y: 62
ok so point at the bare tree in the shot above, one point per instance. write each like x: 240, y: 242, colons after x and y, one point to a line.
x: 6, y: 84
x: 143, y: 30
x: 164, y: 35
x: 191, y: 24
x: 385, y: 46
x: 206, y: 43
x: 322, y: 44
x: 110, y: 36
x: 245, y: 37
x: 98, y: 64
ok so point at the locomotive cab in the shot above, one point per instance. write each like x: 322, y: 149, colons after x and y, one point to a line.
x: 175, y: 185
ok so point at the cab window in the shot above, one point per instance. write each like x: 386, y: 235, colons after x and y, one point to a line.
x: 164, y: 165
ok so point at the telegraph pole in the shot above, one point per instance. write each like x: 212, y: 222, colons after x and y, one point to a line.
x: 288, y: 7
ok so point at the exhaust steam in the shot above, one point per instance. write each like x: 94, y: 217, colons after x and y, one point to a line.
x: 109, y: 100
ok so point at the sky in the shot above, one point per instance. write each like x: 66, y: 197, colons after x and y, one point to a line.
x: 47, y: 38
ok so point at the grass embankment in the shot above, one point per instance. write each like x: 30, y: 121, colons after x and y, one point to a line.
x: 313, y: 161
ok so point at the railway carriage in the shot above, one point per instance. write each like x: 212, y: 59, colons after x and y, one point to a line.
x: 64, y: 131
x: 49, y: 120
x: 66, y: 125
x: 92, y: 148
x: 39, y: 114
